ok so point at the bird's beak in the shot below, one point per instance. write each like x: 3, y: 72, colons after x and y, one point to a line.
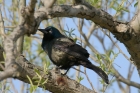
x: 42, y: 30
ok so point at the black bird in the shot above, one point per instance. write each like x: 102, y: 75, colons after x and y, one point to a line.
x: 65, y: 53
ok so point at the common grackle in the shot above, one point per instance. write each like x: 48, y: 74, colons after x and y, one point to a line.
x: 65, y: 53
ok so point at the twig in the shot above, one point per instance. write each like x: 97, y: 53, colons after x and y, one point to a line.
x: 13, y: 86
x: 118, y: 47
x: 108, y: 84
x: 20, y: 41
x: 126, y: 81
x: 78, y: 70
x: 89, y: 80
x: 2, y: 26
x: 86, y: 77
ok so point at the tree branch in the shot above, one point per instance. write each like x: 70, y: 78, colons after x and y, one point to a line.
x: 126, y: 81
x: 20, y: 41
x: 2, y: 32
x: 98, y: 16
x: 54, y: 84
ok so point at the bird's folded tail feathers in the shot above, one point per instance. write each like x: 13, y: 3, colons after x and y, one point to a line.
x: 98, y: 70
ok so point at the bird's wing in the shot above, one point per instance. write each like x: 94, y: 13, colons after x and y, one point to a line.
x: 69, y: 47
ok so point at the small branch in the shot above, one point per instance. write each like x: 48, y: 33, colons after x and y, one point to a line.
x: 10, y: 42
x: 138, y: 5
x: 2, y: 32
x: 121, y: 87
x: 135, y: 22
x: 1, y: 54
x: 89, y: 80
x: 88, y: 43
x: 126, y: 81
x: 6, y: 74
x: 10, y: 26
x: 118, y: 47
x: 13, y: 86
x: 1, y: 59
x: 130, y: 71
x: 20, y: 41
x: 31, y: 5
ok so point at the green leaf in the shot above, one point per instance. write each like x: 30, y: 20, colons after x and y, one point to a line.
x: 98, y: 56
x: 37, y: 71
x: 30, y: 80
x: 80, y: 79
x: 126, y: 10
x: 45, y: 81
x: 136, y: 4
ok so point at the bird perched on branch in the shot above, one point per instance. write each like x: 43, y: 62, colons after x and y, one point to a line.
x: 65, y: 53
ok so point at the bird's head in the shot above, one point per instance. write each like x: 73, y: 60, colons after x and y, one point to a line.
x: 51, y: 32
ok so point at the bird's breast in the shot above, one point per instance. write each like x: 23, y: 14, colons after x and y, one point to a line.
x: 58, y: 57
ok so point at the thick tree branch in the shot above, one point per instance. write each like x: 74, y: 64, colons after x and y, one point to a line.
x: 98, y: 16
x: 56, y: 83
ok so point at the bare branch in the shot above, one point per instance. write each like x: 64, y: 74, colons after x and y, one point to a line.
x: 89, y: 80
x: 20, y: 41
x: 2, y: 32
x: 87, y: 42
x: 96, y: 15
x: 1, y: 54
x: 126, y: 81
x: 135, y: 23
x: 9, y: 45
x: 13, y: 86
x: 138, y: 5
x: 31, y: 6
x: 11, y: 72
x: 121, y: 87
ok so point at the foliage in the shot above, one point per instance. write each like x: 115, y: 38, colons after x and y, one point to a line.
x: 38, y: 79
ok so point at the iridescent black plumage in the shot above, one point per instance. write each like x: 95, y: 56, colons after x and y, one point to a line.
x: 65, y: 53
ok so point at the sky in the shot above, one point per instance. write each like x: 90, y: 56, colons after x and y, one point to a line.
x: 122, y: 63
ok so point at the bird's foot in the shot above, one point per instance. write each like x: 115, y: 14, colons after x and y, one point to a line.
x: 61, y: 67
x: 65, y: 72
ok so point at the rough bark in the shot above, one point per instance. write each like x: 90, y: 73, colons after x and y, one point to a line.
x: 56, y: 83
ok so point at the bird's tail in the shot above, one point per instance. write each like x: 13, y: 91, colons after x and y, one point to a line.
x: 98, y: 70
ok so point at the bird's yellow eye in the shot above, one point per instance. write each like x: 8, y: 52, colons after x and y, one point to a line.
x: 50, y: 31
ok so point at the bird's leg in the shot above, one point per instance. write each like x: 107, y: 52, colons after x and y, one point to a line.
x: 65, y: 72
x: 61, y: 67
